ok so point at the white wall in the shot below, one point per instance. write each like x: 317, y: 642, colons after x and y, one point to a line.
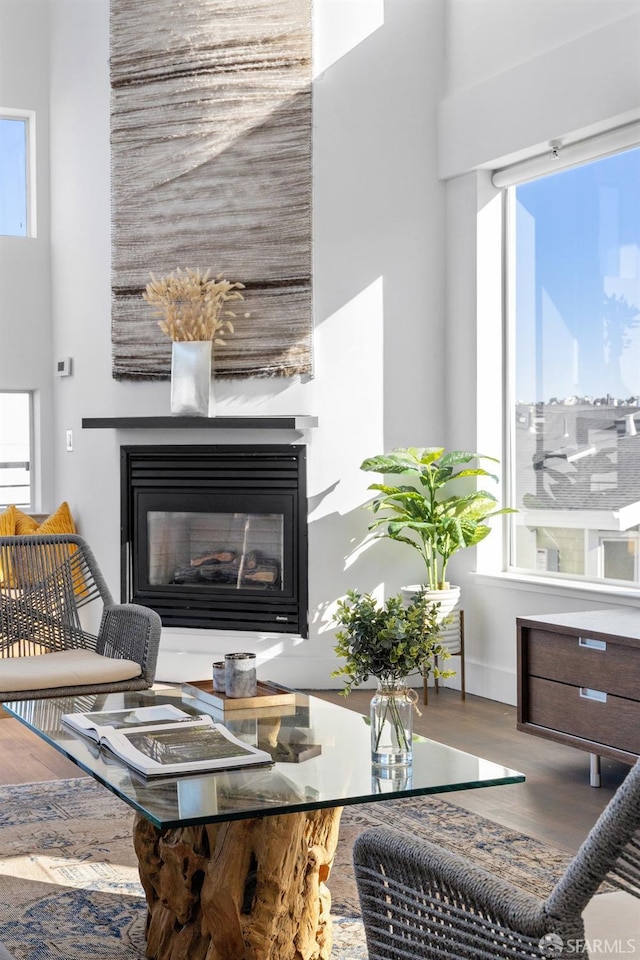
x: 516, y: 80
x: 488, y: 37
x: 25, y: 287
x: 379, y: 299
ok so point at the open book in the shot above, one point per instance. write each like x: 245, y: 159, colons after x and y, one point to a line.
x: 162, y: 740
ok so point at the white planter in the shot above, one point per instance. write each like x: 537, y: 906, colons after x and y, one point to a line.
x: 448, y: 599
x: 191, y: 379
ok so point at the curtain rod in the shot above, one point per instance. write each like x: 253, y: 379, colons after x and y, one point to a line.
x: 560, y: 157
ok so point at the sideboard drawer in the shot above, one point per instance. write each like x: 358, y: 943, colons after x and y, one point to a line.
x: 584, y: 662
x: 578, y: 712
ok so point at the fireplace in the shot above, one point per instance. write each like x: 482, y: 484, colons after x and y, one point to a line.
x: 216, y: 536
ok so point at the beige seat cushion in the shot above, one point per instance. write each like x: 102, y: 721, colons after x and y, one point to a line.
x: 612, y: 925
x: 65, y: 668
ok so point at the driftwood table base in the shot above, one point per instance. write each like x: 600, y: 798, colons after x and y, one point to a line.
x: 241, y: 890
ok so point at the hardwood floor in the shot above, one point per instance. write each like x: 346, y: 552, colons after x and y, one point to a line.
x: 28, y: 759
x: 555, y: 804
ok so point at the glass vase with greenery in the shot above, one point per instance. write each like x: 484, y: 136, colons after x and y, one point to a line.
x: 388, y: 641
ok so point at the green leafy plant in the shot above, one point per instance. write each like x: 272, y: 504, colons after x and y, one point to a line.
x: 429, y: 514
x: 388, y: 641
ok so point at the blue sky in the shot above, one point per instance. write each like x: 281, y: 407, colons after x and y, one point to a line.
x: 13, y: 173
x: 578, y: 282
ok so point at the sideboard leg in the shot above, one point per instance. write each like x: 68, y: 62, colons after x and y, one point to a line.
x: 594, y: 769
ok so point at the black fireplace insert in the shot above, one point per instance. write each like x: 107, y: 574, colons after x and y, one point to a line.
x: 216, y: 536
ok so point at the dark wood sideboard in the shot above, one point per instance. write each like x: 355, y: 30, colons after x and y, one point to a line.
x: 579, y: 681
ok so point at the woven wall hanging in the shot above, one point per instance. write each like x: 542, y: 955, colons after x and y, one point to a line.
x: 211, y: 169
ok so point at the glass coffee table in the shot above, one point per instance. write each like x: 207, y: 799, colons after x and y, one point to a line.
x: 236, y: 862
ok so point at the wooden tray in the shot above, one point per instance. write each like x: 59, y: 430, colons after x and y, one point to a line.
x: 267, y: 695
x: 291, y: 752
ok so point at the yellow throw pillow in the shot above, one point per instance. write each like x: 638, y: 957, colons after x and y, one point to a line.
x: 24, y: 524
x: 60, y: 521
x: 8, y: 522
x: 7, y: 529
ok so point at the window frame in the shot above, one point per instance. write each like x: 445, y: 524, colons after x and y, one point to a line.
x: 30, y: 394
x: 594, y: 537
x: 622, y: 536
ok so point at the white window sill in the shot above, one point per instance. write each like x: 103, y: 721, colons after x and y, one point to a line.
x: 595, y: 592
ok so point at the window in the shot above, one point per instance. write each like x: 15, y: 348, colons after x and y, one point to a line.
x: 15, y: 179
x: 15, y: 449
x: 574, y: 326
x: 618, y: 557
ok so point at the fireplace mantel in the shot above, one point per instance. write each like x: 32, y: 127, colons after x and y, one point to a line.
x: 203, y: 423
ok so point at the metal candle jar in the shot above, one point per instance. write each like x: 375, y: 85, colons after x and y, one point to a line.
x: 219, y: 672
x: 240, y: 679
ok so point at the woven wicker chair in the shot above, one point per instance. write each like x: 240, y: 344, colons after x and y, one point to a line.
x: 421, y: 901
x: 54, y: 601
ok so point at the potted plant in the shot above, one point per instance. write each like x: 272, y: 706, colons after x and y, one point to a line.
x: 388, y: 642
x: 433, y: 514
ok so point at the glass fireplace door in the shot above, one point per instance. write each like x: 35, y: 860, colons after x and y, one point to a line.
x: 237, y: 551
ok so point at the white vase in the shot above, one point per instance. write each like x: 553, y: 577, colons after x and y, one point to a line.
x: 448, y: 599
x: 192, y: 379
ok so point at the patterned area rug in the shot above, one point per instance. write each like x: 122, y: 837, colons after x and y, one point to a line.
x: 69, y: 884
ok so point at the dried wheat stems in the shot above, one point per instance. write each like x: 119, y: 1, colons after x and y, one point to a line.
x: 192, y: 304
